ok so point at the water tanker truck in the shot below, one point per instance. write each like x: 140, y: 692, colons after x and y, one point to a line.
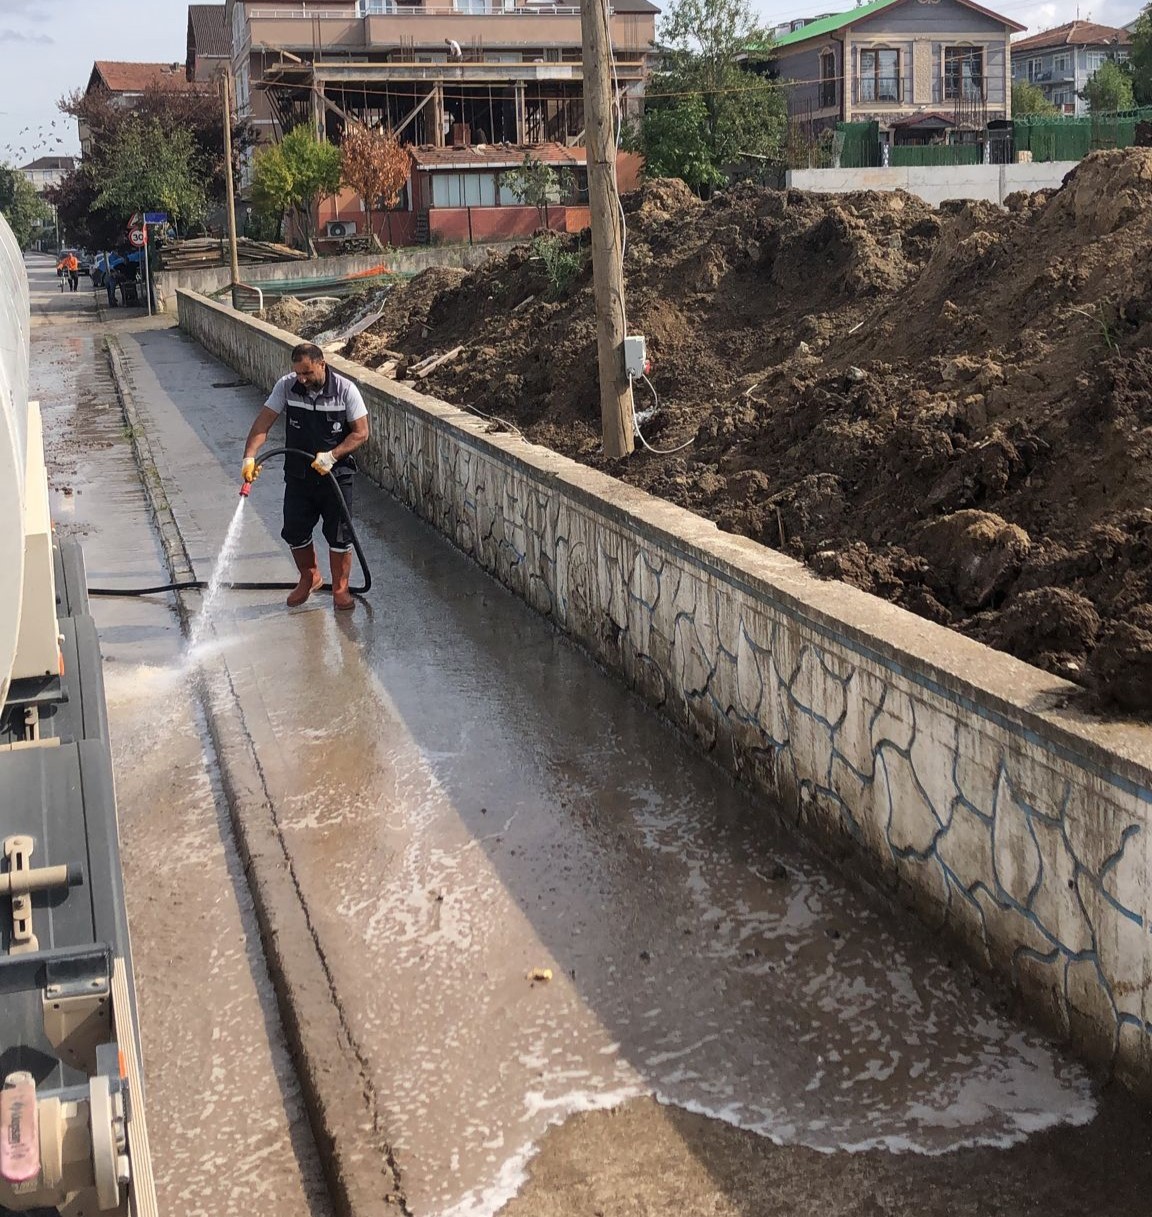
x: 73, y: 1138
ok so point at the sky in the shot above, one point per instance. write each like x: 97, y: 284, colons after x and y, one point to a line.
x: 48, y: 48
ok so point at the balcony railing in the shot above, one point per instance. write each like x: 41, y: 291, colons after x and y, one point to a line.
x: 960, y: 90
x: 882, y: 90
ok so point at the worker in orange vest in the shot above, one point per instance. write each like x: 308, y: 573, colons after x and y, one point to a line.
x: 71, y: 267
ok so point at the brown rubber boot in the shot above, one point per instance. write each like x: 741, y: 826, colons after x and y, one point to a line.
x: 341, y: 570
x: 310, y: 578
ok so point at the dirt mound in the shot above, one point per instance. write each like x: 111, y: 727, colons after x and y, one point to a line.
x: 405, y: 315
x: 951, y: 407
x: 287, y: 313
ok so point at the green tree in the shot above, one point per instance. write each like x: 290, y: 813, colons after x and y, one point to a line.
x: 1029, y: 99
x: 151, y: 168
x: 674, y: 141
x: 86, y: 224
x: 292, y: 176
x: 1140, y: 63
x: 1109, y: 89
x: 21, y: 206
x: 536, y: 184
x: 196, y: 111
x: 710, y: 105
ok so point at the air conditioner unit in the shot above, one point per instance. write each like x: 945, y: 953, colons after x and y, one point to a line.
x: 340, y: 228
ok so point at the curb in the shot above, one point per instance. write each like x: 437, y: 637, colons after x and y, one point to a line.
x: 359, y: 1167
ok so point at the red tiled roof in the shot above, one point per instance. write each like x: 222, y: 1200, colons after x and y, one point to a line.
x: 496, y: 156
x: 1075, y: 33
x: 120, y: 77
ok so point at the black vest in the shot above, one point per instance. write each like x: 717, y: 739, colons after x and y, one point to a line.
x: 316, y: 427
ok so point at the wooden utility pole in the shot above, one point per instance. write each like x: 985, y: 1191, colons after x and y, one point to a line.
x: 226, y: 91
x: 607, y: 235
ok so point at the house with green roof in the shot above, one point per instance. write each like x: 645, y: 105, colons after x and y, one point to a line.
x: 927, y: 71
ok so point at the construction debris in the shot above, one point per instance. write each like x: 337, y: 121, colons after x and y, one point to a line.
x: 201, y: 253
x: 427, y: 366
x: 966, y: 429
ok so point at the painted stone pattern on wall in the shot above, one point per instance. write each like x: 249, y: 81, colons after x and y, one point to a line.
x: 1032, y: 850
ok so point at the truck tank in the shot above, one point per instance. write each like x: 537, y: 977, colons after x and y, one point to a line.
x: 73, y: 1134
x: 13, y: 443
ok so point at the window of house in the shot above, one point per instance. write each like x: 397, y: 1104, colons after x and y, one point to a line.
x: 463, y: 190
x: 470, y: 6
x: 401, y: 203
x: 828, y: 78
x: 879, y: 75
x: 1096, y: 60
x: 1035, y: 69
x: 1063, y: 97
x: 1121, y: 56
x: 1061, y: 63
x: 963, y: 72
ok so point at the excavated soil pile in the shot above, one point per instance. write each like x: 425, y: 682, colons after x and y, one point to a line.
x: 949, y: 408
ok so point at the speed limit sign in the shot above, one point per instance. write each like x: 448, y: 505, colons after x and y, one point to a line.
x: 137, y: 237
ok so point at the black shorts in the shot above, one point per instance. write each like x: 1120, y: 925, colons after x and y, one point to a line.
x: 312, y: 498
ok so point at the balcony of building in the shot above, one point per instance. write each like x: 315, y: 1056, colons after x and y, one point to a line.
x: 383, y: 25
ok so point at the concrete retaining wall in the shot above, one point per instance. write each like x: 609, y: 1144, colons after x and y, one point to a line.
x: 934, y: 184
x: 406, y: 261
x: 947, y: 771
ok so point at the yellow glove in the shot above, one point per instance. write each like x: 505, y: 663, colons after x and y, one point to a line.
x: 323, y: 462
x: 250, y: 469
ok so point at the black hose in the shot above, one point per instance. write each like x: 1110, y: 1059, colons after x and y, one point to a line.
x: 199, y: 584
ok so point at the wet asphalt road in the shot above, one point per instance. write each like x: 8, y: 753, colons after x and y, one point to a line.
x: 226, y: 1120
x: 467, y: 799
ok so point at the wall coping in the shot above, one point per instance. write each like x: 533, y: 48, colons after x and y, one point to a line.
x: 984, y: 682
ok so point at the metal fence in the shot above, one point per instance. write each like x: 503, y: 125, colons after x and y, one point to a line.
x: 856, y: 145
x: 1071, y: 139
x: 935, y: 154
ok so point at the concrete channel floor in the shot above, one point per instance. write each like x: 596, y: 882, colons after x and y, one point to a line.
x: 728, y: 1028
x: 227, y: 1126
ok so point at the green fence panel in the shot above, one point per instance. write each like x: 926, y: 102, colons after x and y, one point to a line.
x: 935, y: 154
x: 858, y: 145
x: 1071, y: 139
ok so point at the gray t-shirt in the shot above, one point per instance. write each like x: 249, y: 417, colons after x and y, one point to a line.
x: 338, y: 393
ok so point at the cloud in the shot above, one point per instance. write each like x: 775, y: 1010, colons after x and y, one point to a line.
x: 19, y: 36
x: 26, y: 10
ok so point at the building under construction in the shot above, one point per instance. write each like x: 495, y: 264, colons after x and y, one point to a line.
x: 477, y: 72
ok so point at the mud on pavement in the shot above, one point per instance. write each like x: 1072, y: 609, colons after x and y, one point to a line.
x: 949, y: 408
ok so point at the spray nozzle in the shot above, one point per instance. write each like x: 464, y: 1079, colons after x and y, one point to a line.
x: 245, y: 489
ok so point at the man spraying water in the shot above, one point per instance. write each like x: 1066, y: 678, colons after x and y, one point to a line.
x: 325, y: 416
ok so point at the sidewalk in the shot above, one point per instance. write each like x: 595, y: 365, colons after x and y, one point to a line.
x: 465, y: 799
x: 228, y: 1132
